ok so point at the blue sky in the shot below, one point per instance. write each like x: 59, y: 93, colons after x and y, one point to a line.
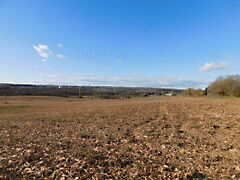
x: 147, y: 43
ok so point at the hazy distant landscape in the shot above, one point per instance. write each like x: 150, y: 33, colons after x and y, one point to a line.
x: 104, y: 92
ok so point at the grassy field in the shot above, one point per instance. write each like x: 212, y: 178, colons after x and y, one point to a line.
x: 151, y: 138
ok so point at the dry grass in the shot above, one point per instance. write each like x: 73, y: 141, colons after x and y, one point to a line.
x: 152, y: 138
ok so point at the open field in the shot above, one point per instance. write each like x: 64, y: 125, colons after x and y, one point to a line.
x: 152, y: 138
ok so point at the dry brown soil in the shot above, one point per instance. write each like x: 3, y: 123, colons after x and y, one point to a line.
x: 142, y: 138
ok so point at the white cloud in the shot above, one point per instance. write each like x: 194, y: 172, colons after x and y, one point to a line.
x: 214, y: 66
x: 59, y: 45
x: 44, y: 60
x: 43, y: 50
x: 60, y: 56
x: 86, y: 74
x: 226, y: 55
x: 42, y: 68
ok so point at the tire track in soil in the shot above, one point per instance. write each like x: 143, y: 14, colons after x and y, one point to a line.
x: 171, y: 121
x: 168, y: 116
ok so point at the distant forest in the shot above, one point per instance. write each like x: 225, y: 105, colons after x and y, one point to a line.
x: 81, y: 91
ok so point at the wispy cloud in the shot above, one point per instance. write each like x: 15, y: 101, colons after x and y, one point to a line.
x: 86, y: 74
x: 214, y: 66
x: 44, y: 60
x: 43, y: 50
x: 60, y: 56
x: 134, y: 74
x: 228, y: 56
x: 58, y: 76
x: 59, y: 45
x: 156, y: 82
x: 42, y: 68
x: 119, y: 60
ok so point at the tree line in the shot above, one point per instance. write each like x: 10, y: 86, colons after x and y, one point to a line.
x: 81, y: 91
x: 222, y: 86
x: 225, y: 86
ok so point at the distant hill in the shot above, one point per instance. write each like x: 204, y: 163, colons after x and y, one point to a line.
x: 100, y: 91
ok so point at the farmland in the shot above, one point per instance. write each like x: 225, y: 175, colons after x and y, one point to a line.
x: 152, y: 138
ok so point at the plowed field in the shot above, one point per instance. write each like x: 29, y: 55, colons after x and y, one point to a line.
x: 142, y: 138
